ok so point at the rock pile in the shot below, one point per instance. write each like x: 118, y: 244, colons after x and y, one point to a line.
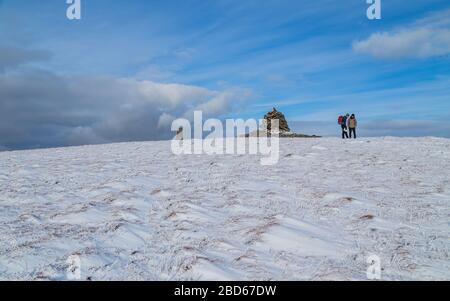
x: 274, y: 115
x: 285, y: 131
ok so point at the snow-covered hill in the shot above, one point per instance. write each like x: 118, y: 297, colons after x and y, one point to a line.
x: 136, y: 211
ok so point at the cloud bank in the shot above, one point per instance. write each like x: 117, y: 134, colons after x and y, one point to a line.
x: 411, y: 128
x: 12, y: 57
x: 376, y: 128
x: 42, y: 109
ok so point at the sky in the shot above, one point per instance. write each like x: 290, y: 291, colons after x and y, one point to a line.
x: 127, y: 69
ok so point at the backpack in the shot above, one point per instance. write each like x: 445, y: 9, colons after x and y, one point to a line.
x: 341, y: 120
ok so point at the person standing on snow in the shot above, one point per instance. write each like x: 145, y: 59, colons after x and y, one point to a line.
x: 352, y: 124
x: 343, y: 123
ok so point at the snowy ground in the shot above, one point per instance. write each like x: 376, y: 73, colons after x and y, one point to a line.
x: 135, y: 211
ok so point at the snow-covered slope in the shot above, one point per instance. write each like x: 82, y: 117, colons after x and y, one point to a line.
x: 135, y: 211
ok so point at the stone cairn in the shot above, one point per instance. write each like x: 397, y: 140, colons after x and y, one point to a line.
x: 285, y: 131
x: 275, y: 115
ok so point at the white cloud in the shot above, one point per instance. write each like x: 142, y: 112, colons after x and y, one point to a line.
x: 165, y: 120
x: 219, y: 104
x: 426, y: 38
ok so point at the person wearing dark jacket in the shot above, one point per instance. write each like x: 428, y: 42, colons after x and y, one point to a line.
x: 344, y: 126
x: 352, y: 124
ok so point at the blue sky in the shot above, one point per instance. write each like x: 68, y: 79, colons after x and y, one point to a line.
x: 311, y: 59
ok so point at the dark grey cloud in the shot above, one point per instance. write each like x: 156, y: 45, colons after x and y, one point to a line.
x: 11, y: 57
x: 42, y: 109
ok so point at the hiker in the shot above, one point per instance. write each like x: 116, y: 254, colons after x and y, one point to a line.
x: 343, y: 123
x: 352, y: 124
